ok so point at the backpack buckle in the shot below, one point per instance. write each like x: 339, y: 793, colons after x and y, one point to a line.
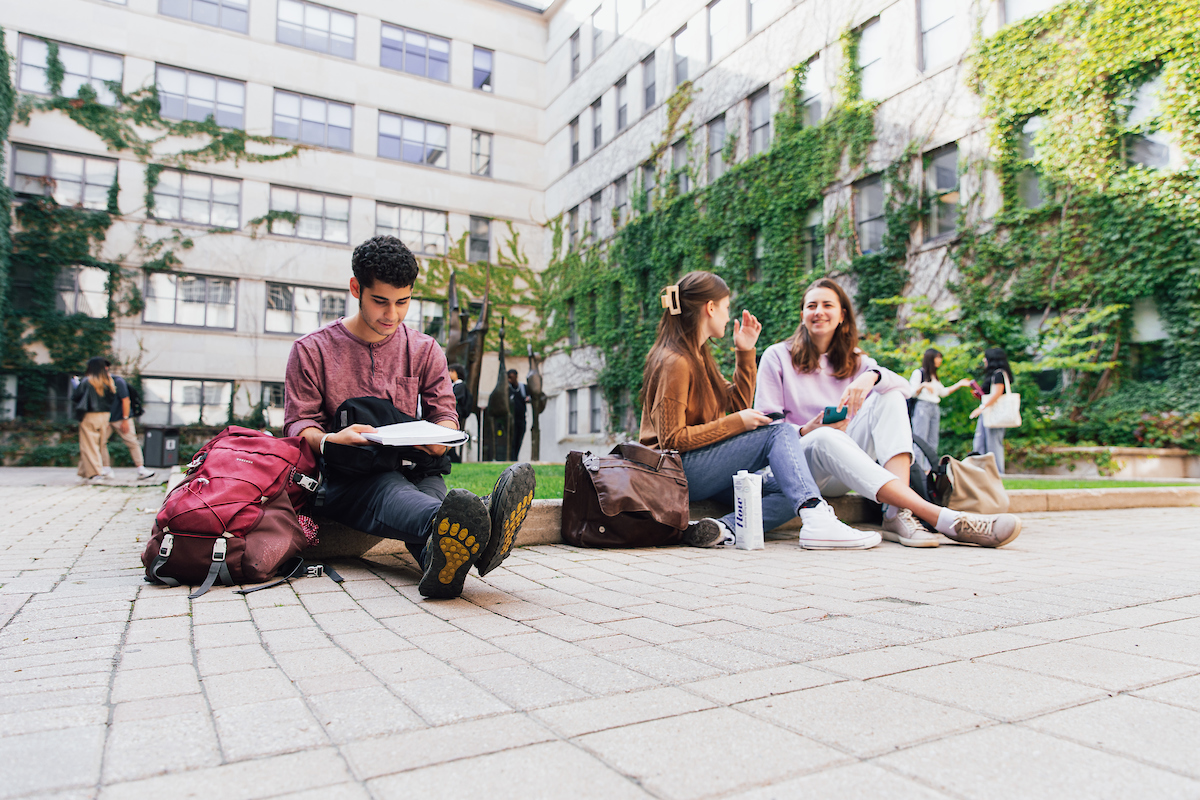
x: 168, y: 543
x: 219, y: 548
x: 305, y: 482
x: 314, y: 571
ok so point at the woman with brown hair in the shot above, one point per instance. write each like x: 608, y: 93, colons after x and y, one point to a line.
x: 93, y: 400
x: 869, y: 451
x: 687, y: 405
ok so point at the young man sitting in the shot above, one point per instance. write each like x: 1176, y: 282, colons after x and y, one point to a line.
x: 373, y: 354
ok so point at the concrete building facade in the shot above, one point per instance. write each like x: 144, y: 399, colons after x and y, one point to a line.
x: 432, y: 120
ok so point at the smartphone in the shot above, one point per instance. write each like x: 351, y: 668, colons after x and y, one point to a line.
x: 775, y: 416
x: 976, y: 390
x: 832, y: 415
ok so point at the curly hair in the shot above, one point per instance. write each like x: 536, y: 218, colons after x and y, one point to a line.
x: 384, y: 258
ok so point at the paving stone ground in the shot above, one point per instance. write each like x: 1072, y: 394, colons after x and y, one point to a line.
x: 1065, y: 665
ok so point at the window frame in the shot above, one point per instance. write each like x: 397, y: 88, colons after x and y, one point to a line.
x: 756, y: 147
x: 572, y: 228
x: 48, y: 181
x: 622, y: 101
x: 573, y: 50
x: 863, y: 66
x: 595, y: 204
x: 426, y: 148
x: 573, y: 407
x: 676, y: 61
x: 170, y: 404
x: 682, y: 173
x: 649, y: 88
x: 573, y: 138
x: 717, y: 153
x: 275, y: 116
x: 477, y: 137
x: 597, y: 32
x: 924, y: 63
x: 404, y: 52
x: 244, y: 9
x: 321, y: 321
x: 75, y: 270
x: 187, y: 74
x: 473, y: 238
x: 176, y: 300
x: 933, y: 219
x: 621, y: 199
x: 595, y: 409
x: 90, y: 51
x: 211, y: 200
x: 400, y: 231
x: 325, y: 197
x: 305, y: 4
x: 861, y: 221
x: 487, y: 84
x: 597, y: 123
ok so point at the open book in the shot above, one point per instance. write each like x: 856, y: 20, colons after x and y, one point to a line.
x: 408, y: 434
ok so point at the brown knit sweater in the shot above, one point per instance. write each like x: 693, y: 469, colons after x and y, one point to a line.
x: 672, y: 418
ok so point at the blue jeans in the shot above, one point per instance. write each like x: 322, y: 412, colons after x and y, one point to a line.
x: 710, y: 472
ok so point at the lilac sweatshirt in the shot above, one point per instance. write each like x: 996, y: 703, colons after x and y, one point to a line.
x: 802, y: 396
x: 331, y: 365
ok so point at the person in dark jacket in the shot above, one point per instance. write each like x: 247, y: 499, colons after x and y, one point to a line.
x: 518, y: 400
x: 463, y: 403
x: 93, y: 400
x: 121, y: 423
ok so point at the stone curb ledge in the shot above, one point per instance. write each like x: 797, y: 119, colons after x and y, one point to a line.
x: 544, y: 523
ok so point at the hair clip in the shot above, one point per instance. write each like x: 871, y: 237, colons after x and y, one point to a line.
x: 670, y: 300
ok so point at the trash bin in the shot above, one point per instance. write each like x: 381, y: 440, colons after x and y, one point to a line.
x: 162, y: 447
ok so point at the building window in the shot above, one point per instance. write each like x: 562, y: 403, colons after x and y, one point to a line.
x: 481, y: 239
x: 595, y: 207
x: 870, y: 61
x: 574, y: 132
x: 1029, y: 180
x: 622, y: 106
x: 428, y: 317
x: 813, y: 241
x: 228, y: 14
x: 597, y: 33
x: 868, y: 214
x: 621, y: 201
x: 302, y: 309
x: 311, y: 120
x: 481, y: 78
x: 314, y: 27
x: 760, y: 121
x: 597, y: 123
x: 724, y: 29
x: 752, y: 19
x: 82, y: 290
x: 572, y: 411
x: 682, y: 47
x: 413, y: 140
x: 181, y: 401
x: 941, y: 181
x: 325, y: 217
x: 716, y: 147
x: 572, y: 326
x: 941, y: 41
x: 71, y: 180
x: 81, y: 67
x: 574, y: 55
x: 1145, y: 145
x: 272, y: 403
x: 648, y: 178
x: 814, y: 85
x: 417, y: 53
x: 596, y: 417
x: 424, y: 231
x: 572, y: 227
x: 754, y: 275
x: 679, y: 165
x: 1017, y: 10
x: 198, y: 199
x: 648, y: 83
x: 193, y: 300
x: 183, y: 94
x: 481, y: 153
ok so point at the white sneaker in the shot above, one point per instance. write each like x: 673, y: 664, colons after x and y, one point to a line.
x: 107, y: 472
x: 143, y: 473
x: 99, y: 477
x: 905, y: 529
x: 822, y: 530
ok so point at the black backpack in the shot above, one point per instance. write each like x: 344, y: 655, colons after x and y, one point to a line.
x: 349, y: 461
x: 135, y: 401
x: 912, y: 401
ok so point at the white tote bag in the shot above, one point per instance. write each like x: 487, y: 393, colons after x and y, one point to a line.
x: 1005, y: 412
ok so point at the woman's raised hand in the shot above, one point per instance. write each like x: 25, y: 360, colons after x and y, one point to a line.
x: 746, y: 331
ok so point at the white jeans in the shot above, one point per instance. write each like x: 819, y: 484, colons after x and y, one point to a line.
x: 845, y: 461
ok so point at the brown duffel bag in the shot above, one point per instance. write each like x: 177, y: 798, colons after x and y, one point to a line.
x: 635, y: 496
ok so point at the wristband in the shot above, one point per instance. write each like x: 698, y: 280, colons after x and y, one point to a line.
x: 878, y: 375
x: 323, y: 438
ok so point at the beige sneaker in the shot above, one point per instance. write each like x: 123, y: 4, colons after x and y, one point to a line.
x: 908, y: 531
x: 986, y: 530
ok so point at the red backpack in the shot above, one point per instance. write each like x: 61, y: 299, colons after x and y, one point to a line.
x: 233, y: 518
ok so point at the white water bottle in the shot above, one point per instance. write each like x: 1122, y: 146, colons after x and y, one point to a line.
x: 747, y: 511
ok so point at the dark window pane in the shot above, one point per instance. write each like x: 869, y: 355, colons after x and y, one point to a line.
x: 172, y: 106
x: 289, y: 34
x: 229, y: 119
x: 439, y: 70
x: 413, y: 152
x: 342, y: 48
x: 287, y: 129
x: 316, y: 40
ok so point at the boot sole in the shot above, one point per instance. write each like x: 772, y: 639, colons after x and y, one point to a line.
x: 454, y: 545
x: 859, y: 544
x: 509, y: 506
x: 889, y: 536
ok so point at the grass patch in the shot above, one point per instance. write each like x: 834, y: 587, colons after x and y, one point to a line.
x: 480, y: 477
x: 1033, y: 483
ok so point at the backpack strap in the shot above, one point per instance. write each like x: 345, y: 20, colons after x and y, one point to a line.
x: 296, y: 568
x: 160, y: 560
x: 218, y: 569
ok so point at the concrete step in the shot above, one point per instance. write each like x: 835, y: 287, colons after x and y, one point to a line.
x: 544, y: 523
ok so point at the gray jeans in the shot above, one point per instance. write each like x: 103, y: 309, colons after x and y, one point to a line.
x: 926, y: 424
x: 989, y: 440
x: 710, y: 472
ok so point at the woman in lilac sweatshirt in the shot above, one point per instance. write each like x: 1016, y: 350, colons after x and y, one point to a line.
x: 870, y: 451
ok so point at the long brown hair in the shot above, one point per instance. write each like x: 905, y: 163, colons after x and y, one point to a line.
x: 678, y: 335
x: 98, y: 377
x: 843, y: 350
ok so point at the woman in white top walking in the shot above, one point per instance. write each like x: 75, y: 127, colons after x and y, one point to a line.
x: 927, y: 393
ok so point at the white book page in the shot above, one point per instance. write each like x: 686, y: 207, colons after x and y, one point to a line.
x: 408, y: 434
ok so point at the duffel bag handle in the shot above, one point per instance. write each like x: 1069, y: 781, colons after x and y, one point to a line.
x: 639, y: 453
